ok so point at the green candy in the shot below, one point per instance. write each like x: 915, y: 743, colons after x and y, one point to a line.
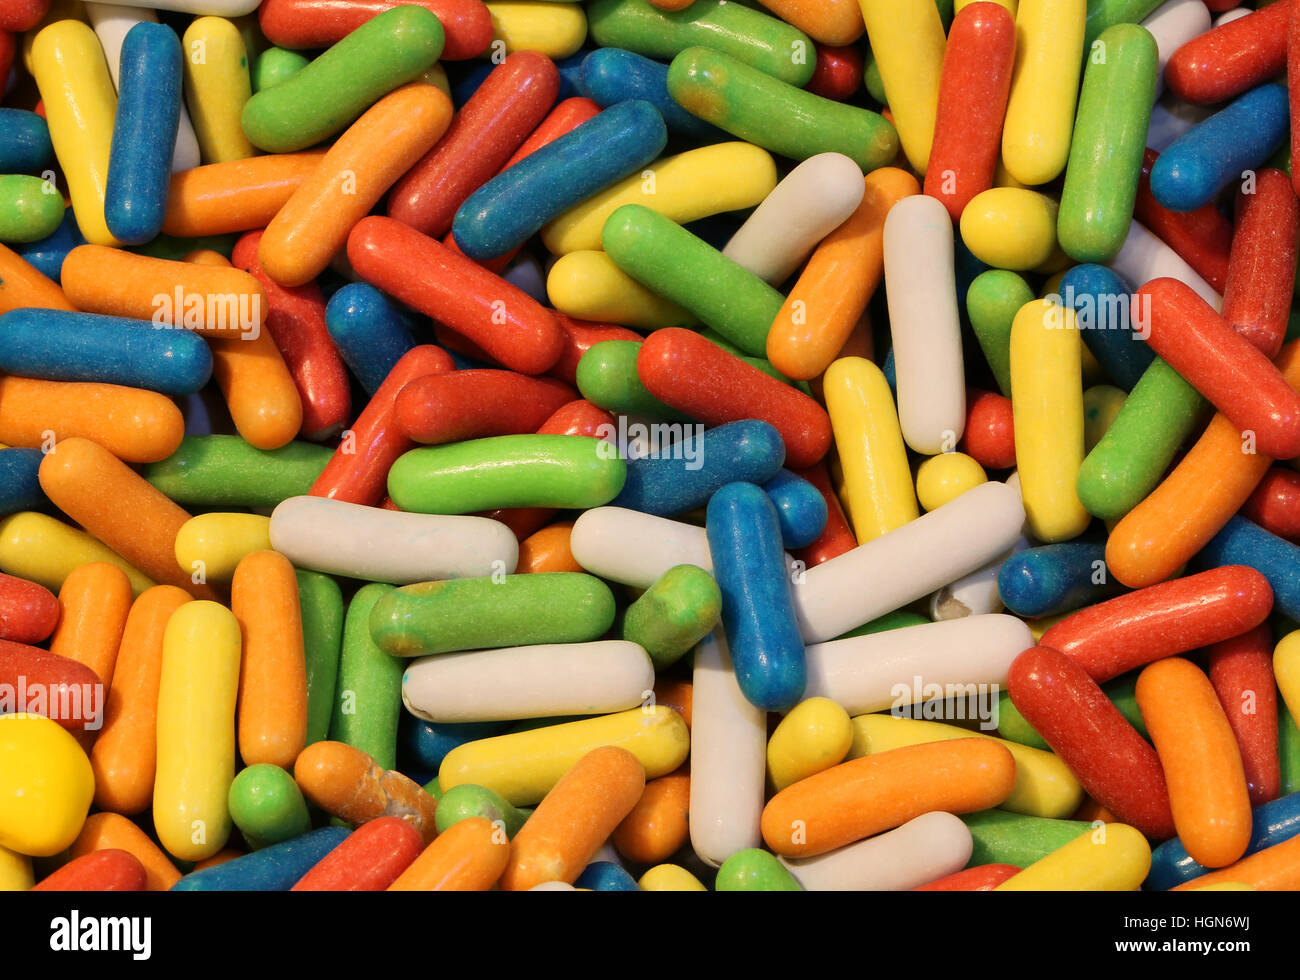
x: 321, y: 603
x: 1110, y: 136
x: 477, y: 613
x: 467, y: 800
x: 565, y: 472
x: 666, y: 258
x: 434, y: 789
x: 327, y: 95
x: 1122, y: 692
x: 267, y: 806
x: 1107, y: 13
x: 769, y: 113
x: 368, y: 702
x: 225, y: 471
x: 1002, y: 837
x: 674, y: 614
x: 754, y: 870
x: 750, y: 36
x: 607, y: 378
x: 897, y: 620
x: 276, y: 65
x: 871, y: 80
x: 992, y: 302
x: 1159, y: 413
x: 30, y: 209
x: 1288, y: 750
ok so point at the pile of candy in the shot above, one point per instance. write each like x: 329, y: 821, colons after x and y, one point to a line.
x: 661, y: 444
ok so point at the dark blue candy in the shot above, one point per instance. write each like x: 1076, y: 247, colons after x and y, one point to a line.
x: 606, y: 876
x: 891, y: 376
x: 686, y: 474
x: 272, y: 869
x: 19, y: 487
x: 368, y: 332
x: 1271, y: 823
x: 1212, y: 154
x: 612, y: 75
x: 1278, y: 560
x: 570, y: 68
x: 800, y: 508
x: 966, y: 266
x: 1056, y: 578
x: 25, y: 146
x: 512, y: 206
x: 1100, y: 300
x: 47, y: 255
x: 757, y: 610
x: 428, y: 743
x: 144, y: 132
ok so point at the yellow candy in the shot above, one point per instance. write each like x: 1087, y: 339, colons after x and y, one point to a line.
x: 557, y: 30
x: 1044, y: 86
x: 669, y: 878
x: 908, y: 41
x: 15, y: 871
x: 589, y: 286
x: 38, y: 547
x: 1010, y: 228
x: 217, y: 85
x: 1286, y: 668
x: 211, y: 545
x: 46, y: 786
x: 1113, y: 857
x: 686, y: 187
x: 814, y: 736
x: 1045, y: 787
x: 877, y: 481
x: 1047, y: 413
x: 196, y: 730
x: 523, y: 766
x: 1101, y: 403
x: 436, y: 76
x: 1010, y: 5
x: 942, y: 478
x: 68, y: 64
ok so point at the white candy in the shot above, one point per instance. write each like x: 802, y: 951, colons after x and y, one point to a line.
x: 1172, y: 26
x: 1145, y: 257
x: 926, y: 848
x: 921, y: 290
x: 202, y: 8
x: 633, y: 548
x: 879, y: 671
x: 1236, y: 13
x: 976, y: 594
x: 728, y: 758
x: 380, y: 545
x: 815, y: 198
x: 540, y: 681
x: 553, y: 886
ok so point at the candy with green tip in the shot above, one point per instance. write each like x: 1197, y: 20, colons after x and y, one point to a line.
x: 1002, y: 837
x: 468, y: 800
x: 992, y: 302
x: 368, y: 693
x: 223, y: 471
x: 674, y: 614
x: 754, y: 870
x: 321, y: 602
x: 276, y: 65
x: 607, y: 377
x: 267, y: 806
x: 30, y: 209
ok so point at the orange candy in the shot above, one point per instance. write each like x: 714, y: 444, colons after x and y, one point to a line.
x: 657, y: 826
x: 93, y: 602
x: 104, y: 831
x: 468, y: 857
x: 21, y: 284
x: 347, y: 783
x: 1274, y: 869
x: 239, y: 195
x: 547, y: 550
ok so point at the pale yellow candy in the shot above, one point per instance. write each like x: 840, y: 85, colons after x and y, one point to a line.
x: 436, y: 75
x: 669, y: 878
x: 813, y: 737
x: 685, y: 188
x: 1286, y: 668
x: 1101, y: 403
x: 209, y: 546
x: 45, y: 550
x: 943, y: 478
x: 217, y: 84
x: 1112, y: 857
x: 1010, y: 228
x: 46, y: 785
x: 1045, y: 787
x: 556, y: 30
x: 15, y: 871
x: 589, y: 286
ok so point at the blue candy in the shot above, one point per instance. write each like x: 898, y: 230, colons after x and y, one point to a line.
x: 1271, y: 823
x: 25, y: 146
x: 513, y: 205
x: 428, y: 743
x: 59, y: 345
x: 800, y: 508
x: 606, y: 876
x: 758, y: 615
x: 144, y: 132
x: 686, y: 474
x: 1278, y: 560
x: 1212, y: 154
x: 1100, y: 299
x: 612, y: 75
x: 19, y: 487
x: 1056, y: 578
x: 272, y: 869
x: 47, y: 255
x: 368, y: 332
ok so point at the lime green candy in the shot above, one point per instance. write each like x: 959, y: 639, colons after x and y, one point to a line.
x: 674, y: 614
x: 992, y: 302
x: 276, y: 65
x: 1288, y: 750
x: 267, y: 806
x: 769, y: 113
x: 323, y: 98
x: 567, y: 472
x: 871, y: 80
x: 368, y: 696
x: 467, y: 800
x: 1110, y: 136
x: 225, y: 471
x: 30, y: 209
x: 665, y: 257
x: 754, y: 870
x: 321, y: 603
x: 755, y: 38
x: 607, y: 378
x: 1103, y: 14
x: 475, y: 613
x: 1159, y: 413
x: 434, y: 789
x: 1002, y: 837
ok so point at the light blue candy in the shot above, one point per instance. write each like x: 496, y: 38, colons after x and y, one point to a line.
x: 1055, y: 578
x: 1271, y: 823
x: 368, y: 332
x: 1242, y: 542
x: 272, y: 869
x: 1101, y: 300
x: 611, y: 75
x: 800, y: 508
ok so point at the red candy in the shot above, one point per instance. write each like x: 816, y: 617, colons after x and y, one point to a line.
x: 467, y: 24
x: 1163, y: 620
x: 981, y: 878
x: 109, y: 870
x: 837, y: 537
x: 696, y: 376
x: 512, y: 327
x: 990, y: 436
x: 579, y: 337
x: 44, y: 683
x: 1115, y: 765
x: 837, y: 73
x: 1202, y: 237
x: 474, y: 404
x: 20, y: 15
x: 1241, y: 670
x: 28, y: 612
x: 369, y: 860
x: 1228, y: 60
x: 1261, y: 265
x: 7, y: 47
x: 1275, y: 504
